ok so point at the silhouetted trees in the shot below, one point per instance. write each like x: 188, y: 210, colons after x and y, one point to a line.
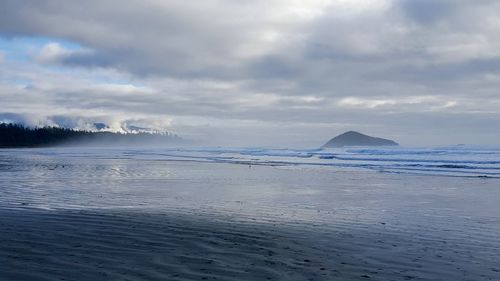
x: 14, y: 135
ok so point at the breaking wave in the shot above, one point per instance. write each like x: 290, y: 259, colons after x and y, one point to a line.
x: 451, y: 161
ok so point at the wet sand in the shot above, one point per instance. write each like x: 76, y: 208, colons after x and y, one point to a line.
x: 82, y: 245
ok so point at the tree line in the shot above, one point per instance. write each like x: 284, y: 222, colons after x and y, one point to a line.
x: 16, y: 135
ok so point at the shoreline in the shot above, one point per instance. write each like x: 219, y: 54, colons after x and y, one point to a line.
x: 106, y: 216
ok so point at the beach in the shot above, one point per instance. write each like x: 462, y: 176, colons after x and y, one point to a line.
x: 319, y: 140
x: 100, y: 215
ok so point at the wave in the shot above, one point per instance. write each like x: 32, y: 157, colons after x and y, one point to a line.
x: 462, y: 161
x: 453, y: 161
x: 438, y: 160
x: 427, y: 151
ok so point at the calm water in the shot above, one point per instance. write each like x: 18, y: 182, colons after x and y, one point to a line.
x: 259, y: 178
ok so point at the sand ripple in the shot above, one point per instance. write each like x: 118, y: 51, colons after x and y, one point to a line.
x: 83, y: 245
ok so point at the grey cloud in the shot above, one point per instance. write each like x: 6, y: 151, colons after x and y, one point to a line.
x: 88, y: 59
x: 221, y: 39
x: 275, y: 66
x: 427, y: 11
x: 141, y: 37
x: 9, y: 117
x: 257, y: 62
x: 436, y: 73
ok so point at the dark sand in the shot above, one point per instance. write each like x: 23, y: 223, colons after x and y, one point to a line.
x: 82, y: 245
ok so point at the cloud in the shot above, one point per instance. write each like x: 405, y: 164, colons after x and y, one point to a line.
x: 427, y: 11
x: 52, y: 52
x: 380, y: 65
x: 175, y: 38
x: 412, y: 103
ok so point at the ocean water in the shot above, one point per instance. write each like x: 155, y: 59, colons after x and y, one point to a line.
x: 221, y: 178
x: 398, y: 213
x: 459, y: 161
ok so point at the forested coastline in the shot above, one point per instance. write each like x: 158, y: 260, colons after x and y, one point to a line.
x: 15, y: 136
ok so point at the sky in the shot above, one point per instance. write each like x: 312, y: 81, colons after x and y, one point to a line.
x: 280, y: 73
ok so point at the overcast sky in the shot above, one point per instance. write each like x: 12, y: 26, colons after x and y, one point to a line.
x: 283, y: 73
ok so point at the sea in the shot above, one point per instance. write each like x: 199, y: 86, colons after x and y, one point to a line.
x: 397, y: 213
x: 76, y: 176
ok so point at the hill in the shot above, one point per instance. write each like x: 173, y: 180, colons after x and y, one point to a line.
x: 353, y: 138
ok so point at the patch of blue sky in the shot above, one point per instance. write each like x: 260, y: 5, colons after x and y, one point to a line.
x: 22, y: 48
x: 21, y: 82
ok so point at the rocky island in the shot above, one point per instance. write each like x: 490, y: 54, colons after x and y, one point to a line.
x: 353, y: 138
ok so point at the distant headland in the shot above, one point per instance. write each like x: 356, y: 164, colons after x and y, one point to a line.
x: 15, y: 135
x: 353, y: 138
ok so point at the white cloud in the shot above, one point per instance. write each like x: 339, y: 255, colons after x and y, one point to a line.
x: 412, y: 103
x: 52, y: 53
x: 365, y: 103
